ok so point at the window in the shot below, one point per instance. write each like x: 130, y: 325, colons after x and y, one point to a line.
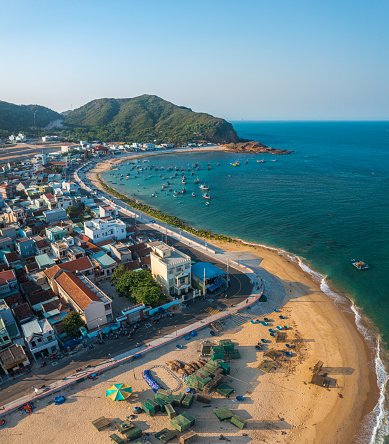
x: 5, y: 338
x: 39, y: 340
x: 33, y: 343
x: 49, y: 338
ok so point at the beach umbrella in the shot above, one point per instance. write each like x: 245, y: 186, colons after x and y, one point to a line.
x: 119, y: 392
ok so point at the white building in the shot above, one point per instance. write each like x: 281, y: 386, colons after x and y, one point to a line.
x: 108, y: 211
x: 70, y: 187
x: 170, y: 268
x: 137, y: 146
x: 100, y: 230
x: 148, y: 146
x: 40, y: 338
x: 66, y: 148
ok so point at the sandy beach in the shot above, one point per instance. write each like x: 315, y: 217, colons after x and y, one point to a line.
x: 280, y: 407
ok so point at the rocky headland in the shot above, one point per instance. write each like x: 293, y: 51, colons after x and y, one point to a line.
x: 253, y: 148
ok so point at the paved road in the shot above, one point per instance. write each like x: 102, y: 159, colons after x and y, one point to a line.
x: 239, y: 289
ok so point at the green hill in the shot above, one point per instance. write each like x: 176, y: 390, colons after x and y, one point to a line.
x: 145, y: 118
x: 20, y: 118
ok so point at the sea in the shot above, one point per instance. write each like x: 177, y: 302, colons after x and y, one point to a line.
x: 325, y: 204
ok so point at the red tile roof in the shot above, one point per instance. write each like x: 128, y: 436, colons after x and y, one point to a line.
x: 49, y: 196
x: 22, y: 311
x: 81, y: 264
x: 105, y: 242
x: 7, y: 275
x: 76, y: 289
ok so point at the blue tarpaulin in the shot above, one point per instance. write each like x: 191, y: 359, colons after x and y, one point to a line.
x: 211, y: 271
x: 150, y: 381
x: 72, y: 343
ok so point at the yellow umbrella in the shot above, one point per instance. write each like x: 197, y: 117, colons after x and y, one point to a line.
x: 119, y: 392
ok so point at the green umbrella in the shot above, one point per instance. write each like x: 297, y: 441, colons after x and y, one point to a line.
x: 119, y: 392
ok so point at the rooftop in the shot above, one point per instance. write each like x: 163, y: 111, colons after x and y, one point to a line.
x: 103, y: 259
x: 36, y: 327
x: 81, y: 290
x: 81, y: 264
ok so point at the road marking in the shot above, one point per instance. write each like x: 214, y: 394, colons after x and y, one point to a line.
x: 211, y: 311
x: 101, y: 351
x: 21, y: 385
x: 89, y: 356
x: 9, y: 391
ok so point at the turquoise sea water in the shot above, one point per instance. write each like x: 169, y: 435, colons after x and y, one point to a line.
x: 326, y: 203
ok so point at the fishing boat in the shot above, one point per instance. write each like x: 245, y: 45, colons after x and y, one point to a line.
x: 236, y: 164
x: 175, y: 195
x: 209, y: 167
x: 360, y: 265
x: 206, y: 195
x: 207, y: 202
x: 152, y: 195
x: 193, y: 194
x: 183, y: 191
x: 261, y: 161
x: 204, y: 187
x: 127, y: 177
x: 246, y: 161
x: 274, y: 160
x: 183, y: 180
x: 197, y: 180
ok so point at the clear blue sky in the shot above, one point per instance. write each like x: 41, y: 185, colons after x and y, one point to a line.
x: 241, y: 59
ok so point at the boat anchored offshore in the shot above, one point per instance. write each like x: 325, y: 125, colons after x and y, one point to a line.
x: 204, y: 187
x: 360, y: 265
x: 236, y: 164
x: 261, y: 161
x: 207, y: 195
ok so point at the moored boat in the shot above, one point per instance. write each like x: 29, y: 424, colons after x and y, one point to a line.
x: 360, y: 265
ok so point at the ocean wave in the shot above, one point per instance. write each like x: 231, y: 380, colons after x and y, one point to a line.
x: 375, y: 425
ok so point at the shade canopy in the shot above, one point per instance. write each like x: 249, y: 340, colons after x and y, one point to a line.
x: 119, y: 392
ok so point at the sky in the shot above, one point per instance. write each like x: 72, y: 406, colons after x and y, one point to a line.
x: 246, y: 59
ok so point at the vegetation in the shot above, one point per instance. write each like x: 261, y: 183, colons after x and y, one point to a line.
x: 20, y: 118
x: 72, y: 322
x: 146, y: 118
x: 139, y: 286
x: 79, y: 212
x: 163, y: 217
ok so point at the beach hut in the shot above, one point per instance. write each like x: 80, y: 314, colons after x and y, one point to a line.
x: 119, y: 392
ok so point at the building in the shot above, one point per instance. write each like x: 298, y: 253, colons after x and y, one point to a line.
x: 206, y: 272
x: 25, y: 247
x: 5, y: 339
x: 13, y: 359
x: 55, y: 234
x: 52, y: 215
x: 99, y: 230
x: 40, y: 338
x: 104, y: 263
x: 93, y: 305
x: 82, y: 265
x: 170, y: 268
x: 8, y: 283
x: 121, y: 252
x: 108, y: 211
x: 7, y: 190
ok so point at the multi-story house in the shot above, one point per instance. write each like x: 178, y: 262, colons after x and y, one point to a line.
x: 107, y: 211
x: 7, y: 190
x: 8, y: 283
x: 93, y: 305
x: 40, y: 338
x: 170, y: 268
x: 100, y: 230
x: 5, y: 339
x: 55, y: 234
x: 25, y: 247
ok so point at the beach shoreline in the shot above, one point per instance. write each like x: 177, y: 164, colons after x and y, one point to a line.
x: 366, y: 391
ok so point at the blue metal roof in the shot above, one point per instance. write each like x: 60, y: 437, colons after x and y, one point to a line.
x: 211, y: 271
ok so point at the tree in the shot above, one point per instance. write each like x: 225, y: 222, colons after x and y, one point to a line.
x: 71, y: 210
x: 148, y: 295
x: 72, y: 322
x: 138, y: 286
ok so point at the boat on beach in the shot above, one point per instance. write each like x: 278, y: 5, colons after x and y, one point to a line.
x: 360, y: 265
